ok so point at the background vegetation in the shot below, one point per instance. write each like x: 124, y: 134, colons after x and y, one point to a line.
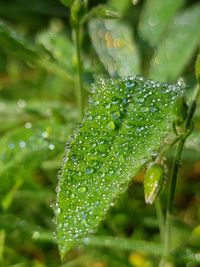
x: 39, y: 112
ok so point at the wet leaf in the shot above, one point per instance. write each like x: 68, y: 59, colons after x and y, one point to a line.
x: 15, y: 113
x: 155, y: 17
x: 23, y: 150
x: 178, y: 46
x: 114, y: 44
x: 126, y: 122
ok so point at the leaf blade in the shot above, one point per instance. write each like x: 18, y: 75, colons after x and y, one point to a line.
x: 177, y: 47
x: 117, y: 137
x: 115, y: 47
x: 155, y: 17
x: 23, y: 150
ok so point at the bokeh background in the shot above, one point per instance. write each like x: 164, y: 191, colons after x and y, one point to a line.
x: 38, y: 114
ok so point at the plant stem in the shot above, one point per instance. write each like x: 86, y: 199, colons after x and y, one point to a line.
x: 175, y: 167
x: 79, y: 91
x: 160, y: 217
x: 124, y: 244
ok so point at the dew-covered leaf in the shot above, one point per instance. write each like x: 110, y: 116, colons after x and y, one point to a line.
x: 23, y: 150
x: 155, y: 17
x: 126, y: 122
x: 178, y: 46
x: 114, y: 44
x: 15, y: 113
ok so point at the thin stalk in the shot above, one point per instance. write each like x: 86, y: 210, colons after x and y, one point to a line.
x: 79, y: 91
x: 188, y: 126
x: 160, y: 217
x: 123, y: 244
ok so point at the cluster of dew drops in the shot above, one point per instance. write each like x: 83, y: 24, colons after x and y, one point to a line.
x: 30, y: 138
x: 107, y: 150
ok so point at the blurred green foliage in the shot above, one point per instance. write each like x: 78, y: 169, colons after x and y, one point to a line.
x: 39, y: 112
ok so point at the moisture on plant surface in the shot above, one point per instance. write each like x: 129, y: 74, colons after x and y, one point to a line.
x: 100, y: 133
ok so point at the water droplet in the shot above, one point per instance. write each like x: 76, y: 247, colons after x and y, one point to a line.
x: 144, y: 109
x: 152, y: 109
x: 89, y: 171
x: 111, y: 125
x: 28, y: 125
x: 107, y: 106
x: 21, y: 103
x: 22, y: 144
x: 57, y: 211
x: 82, y: 189
x: 11, y: 145
x: 140, y: 100
x: 128, y: 126
x: 51, y: 147
x: 58, y: 189
x: 98, y: 117
x: 116, y: 115
x: 135, y: 2
x: 45, y: 134
x: 35, y: 235
x: 129, y: 84
x: 96, y: 103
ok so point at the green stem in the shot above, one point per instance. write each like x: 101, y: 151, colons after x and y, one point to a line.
x: 160, y: 217
x: 175, y: 167
x: 124, y: 244
x: 79, y: 91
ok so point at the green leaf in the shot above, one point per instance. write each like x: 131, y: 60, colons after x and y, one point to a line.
x: 177, y: 47
x: 126, y: 121
x: 23, y: 150
x: 155, y: 17
x: 13, y: 114
x: 115, y: 47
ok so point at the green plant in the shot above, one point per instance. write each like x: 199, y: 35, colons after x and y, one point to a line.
x: 130, y: 123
